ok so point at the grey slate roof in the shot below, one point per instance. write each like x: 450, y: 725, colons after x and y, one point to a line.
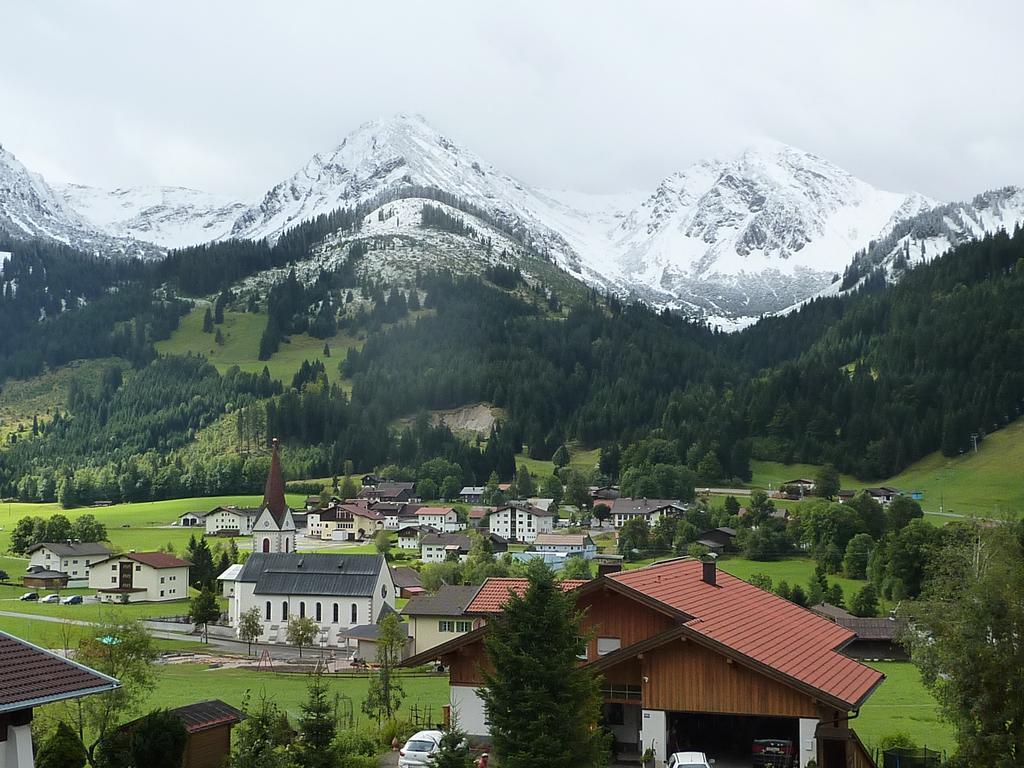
x: 450, y: 600
x: 63, y: 549
x: 279, y: 573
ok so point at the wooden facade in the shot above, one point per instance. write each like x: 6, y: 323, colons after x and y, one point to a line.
x: 208, y: 748
x: 610, y: 614
x: 683, y: 676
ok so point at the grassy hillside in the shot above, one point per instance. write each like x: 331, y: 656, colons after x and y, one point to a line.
x: 242, y: 332
x: 579, y: 458
x: 903, y: 704
x: 988, y: 483
x: 20, y: 400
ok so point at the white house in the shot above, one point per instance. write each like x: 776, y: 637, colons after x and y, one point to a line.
x: 191, y: 519
x: 444, y: 519
x: 438, y: 547
x: 337, y: 591
x: 569, y: 544
x: 521, y: 522
x: 409, y: 536
x: 274, y: 529
x: 140, y: 577
x: 223, y: 521
x: 651, y: 510
x: 73, y: 558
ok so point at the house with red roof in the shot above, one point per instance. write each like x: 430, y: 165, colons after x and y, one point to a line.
x: 140, y: 577
x: 691, y: 658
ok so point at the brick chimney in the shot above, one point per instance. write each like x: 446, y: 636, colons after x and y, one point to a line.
x: 710, y: 571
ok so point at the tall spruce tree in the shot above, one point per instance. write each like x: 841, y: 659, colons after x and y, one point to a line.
x: 541, y: 705
x: 318, y: 724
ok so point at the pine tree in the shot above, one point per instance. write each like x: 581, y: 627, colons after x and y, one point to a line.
x: 208, y: 321
x: 62, y: 749
x: 318, y: 724
x: 541, y: 705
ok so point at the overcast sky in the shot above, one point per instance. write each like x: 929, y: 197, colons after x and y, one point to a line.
x: 234, y: 96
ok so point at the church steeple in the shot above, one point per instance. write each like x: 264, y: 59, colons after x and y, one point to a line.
x: 273, y: 494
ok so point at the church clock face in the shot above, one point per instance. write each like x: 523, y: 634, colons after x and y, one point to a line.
x: 383, y: 590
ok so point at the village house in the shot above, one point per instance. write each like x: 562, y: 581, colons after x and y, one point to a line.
x: 344, y: 522
x: 410, y: 536
x: 396, y: 492
x: 438, y: 547
x: 717, y: 540
x: 140, y: 577
x: 230, y: 521
x: 566, y: 544
x: 877, y: 638
x: 34, y: 677
x: 437, y: 618
x: 520, y: 521
x: 472, y: 494
x: 651, y: 510
x: 41, y: 577
x: 72, y: 558
x: 477, y: 515
x: 335, y: 590
x: 882, y: 494
x: 802, y: 485
x: 191, y: 519
x: 692, y: 658
x: 445, y: 519
x: 394, y: 512
x: 274, y: 529
x: 407, y: 581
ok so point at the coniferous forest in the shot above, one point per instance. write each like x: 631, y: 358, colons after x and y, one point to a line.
x: 869, y: 381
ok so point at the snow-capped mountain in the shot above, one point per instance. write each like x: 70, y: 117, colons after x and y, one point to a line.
x: 727, y: 238
x: 933, y: 231
x: 739, y: 237
x: 754, y: 233
x: 29, y: 207
x: 171, y: 217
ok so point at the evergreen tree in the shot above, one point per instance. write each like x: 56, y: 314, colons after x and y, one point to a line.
x: 317, y: 724
x: 541, y: 705
x: 61, y: 749
x: 865, y: 602
x: 208, y: 321
x: 203, y: 609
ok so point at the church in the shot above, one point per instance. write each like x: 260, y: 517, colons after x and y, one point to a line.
x: 274, y: 529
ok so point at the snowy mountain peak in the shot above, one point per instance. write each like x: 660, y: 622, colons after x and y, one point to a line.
x: 171, y: 217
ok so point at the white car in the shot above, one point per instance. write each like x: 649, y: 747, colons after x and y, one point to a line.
x: 419, y: 749
x: 54, y: 598
x: 689, y: 760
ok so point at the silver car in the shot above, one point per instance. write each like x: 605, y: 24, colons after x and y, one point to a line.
x: 419, y: 749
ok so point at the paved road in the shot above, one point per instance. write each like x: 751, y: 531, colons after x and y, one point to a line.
x: 277, y: 652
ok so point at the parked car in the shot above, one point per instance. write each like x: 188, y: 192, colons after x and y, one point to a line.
x: 773, y: 753
x: 689, y: 760
x: 420, y: 749
x: 54, y: 598
x: 30, y: 596
x: 72, y: 600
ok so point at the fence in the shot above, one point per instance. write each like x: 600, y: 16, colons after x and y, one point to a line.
x: 899, y: 757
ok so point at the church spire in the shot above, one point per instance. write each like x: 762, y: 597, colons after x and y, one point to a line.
x: 273, y: 494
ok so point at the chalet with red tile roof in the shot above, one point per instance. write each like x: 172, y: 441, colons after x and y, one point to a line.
x: 693, y: 658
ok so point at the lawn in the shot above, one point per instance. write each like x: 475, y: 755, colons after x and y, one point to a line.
x: 579, y: 458
x: 794, y: 570
x: 21, y: 399
x: 143, y: 519
x: 986, y: 483
x: 242, y: 332
x: 902, y: 703
x: 180, y: 684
